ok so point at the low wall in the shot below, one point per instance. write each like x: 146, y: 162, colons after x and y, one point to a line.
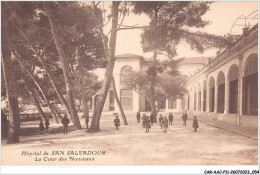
x: 233, y: 119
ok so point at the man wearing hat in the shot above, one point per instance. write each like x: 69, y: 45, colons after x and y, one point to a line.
x: 170, y: 118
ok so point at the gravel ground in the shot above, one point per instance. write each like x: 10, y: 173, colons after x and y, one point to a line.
x: 131, y: 145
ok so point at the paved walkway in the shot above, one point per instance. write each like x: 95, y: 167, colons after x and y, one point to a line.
x: 247, y: 132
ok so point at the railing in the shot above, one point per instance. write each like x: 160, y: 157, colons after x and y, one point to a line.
x: 250, y: 34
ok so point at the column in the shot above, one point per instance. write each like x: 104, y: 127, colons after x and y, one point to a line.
x: 240, y: 90
x: 226, y: 109
x: 207, y: 97
x: 216, y: 98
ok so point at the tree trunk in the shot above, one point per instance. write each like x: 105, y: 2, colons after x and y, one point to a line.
x: 48, y: 72
x: 38, y: 86
x: 119, y: 103
x: 85, y: 104
x: 65, y: 67
x: 110, y: 54
x: 36, y: 103
x: 10, y: 81
x: 152, y: 85
x: 56, y: 110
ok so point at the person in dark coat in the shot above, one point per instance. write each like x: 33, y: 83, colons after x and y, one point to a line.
x: 195, y: 124
x: 138, y: 117
x: 65, y: 121
x: 160, y: 120
x: 184, y: 118
x: 4, y: 125
x: 117, y: 122
x: 170, y: 118
x: 41, y: 126
x: 152, y: 119
x: 86, y: 117
x: 165, y: 124
x: 143, y: 120
x: 47, y: 124
x: 147, y: 124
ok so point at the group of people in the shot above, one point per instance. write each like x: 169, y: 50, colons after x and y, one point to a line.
x: 65, y: 122
x: 147, y: 122
x: 164, y: 121
x: 42, y: 127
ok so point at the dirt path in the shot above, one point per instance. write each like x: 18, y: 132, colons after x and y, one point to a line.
x: 132, y: 146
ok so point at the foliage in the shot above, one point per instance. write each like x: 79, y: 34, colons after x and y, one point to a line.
x: 169, y: 83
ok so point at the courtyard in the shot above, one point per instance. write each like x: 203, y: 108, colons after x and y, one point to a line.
x: 130, y: 145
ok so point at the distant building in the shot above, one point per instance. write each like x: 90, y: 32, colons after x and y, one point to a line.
x: 131, y: 100
x: 223, y: 88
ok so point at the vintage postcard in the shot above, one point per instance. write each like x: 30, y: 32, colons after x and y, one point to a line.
x: 129, y: 83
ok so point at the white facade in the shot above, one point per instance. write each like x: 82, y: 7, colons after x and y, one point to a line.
x: 227, y: 88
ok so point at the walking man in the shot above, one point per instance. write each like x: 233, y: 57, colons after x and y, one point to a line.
x: 184, y: 118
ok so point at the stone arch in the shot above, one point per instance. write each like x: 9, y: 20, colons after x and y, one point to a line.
x: 250, y: 86
x: 195, y: 98
x: 211, y: 94
x: 204, y: 91
x: 221, y: 92
x: 233, y: 89
x: 199, y: 97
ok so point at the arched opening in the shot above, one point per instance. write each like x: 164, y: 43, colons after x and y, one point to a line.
x: 250, y: 86
x: 211, y: 94
x: 126, y: 99
x: 204, y: 95
x: 195, y: 98
x: 199, y: 97
x: 125, y: 71
x: 233, y: 89
x: 221, y: 92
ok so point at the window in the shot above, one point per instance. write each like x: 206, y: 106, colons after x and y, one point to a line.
x: 111, y: 101
x: 126, y: 99
x: 233, y: 89
x: 221, y: 92
x: 250, y: 87
x: 125, y: 71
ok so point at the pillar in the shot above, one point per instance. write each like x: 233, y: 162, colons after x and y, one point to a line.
x: 226, y: 109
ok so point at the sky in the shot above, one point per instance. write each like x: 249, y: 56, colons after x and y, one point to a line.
x: 222, y: 15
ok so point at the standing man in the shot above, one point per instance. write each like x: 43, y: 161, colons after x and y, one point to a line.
x: 86, y: 116
x: 184, y: 118
x: 161, y: 120
x: 151, y: 119
x: 147, y: 124
x: 170, y: 118
x: 138, y: 117
x: 65, y: 121
x: 165, y: 124
x: 117, y: 122
x: 47, y: 124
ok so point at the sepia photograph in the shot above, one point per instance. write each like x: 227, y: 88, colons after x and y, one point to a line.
x: 129, y: 83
